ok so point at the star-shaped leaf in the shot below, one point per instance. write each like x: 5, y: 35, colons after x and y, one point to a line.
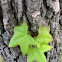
x: 44, y: 36
x: 38, y: 53
x: 21, y: 38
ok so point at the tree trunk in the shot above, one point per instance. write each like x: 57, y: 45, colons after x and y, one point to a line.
x: 35, y: 13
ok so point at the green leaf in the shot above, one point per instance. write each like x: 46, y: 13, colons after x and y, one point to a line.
x: 36, y: 54
x: 21, y: 38
x: 44, y: 36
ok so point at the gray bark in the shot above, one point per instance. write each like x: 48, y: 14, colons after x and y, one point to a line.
x: 35, y: 13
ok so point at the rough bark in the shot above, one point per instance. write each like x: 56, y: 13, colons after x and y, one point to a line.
x: 35, y: 13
